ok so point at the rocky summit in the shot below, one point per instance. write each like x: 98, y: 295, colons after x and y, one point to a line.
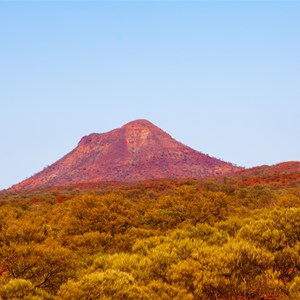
x: 138, y: 150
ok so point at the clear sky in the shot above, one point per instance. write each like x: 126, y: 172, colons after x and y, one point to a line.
x: 222, y: 77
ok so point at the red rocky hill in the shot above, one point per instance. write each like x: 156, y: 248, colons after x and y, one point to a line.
x: 282, y: 174
x: 138, y: 150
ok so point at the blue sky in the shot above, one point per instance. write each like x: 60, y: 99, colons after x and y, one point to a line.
x: 222, y: 77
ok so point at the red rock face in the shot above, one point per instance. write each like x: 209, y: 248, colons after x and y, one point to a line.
x: 136, y: 151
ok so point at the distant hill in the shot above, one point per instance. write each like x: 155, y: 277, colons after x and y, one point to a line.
x: 137, y: 151
x: 282, y: 174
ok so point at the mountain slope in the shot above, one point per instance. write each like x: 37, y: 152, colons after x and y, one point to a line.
x: 136, y: 151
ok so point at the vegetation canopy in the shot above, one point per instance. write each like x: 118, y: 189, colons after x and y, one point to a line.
x: 170, y: 239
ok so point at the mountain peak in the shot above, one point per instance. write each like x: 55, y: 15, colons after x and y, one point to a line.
x: 139, y: 123
x: 143, y: 126
x: 136, y: 151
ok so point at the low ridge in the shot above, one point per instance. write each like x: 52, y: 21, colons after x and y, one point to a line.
x: 138, y: 150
